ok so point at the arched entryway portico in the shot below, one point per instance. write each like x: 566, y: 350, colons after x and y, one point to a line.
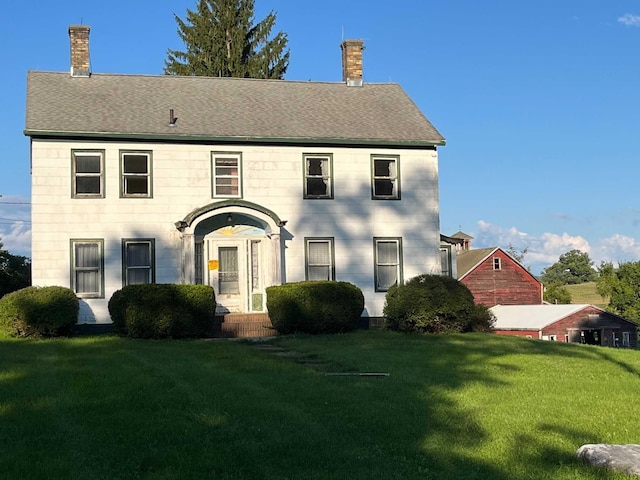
x: 235, y: 247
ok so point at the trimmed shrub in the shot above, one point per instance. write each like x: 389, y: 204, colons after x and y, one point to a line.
x: 162, y: 310
x: 434, y: 304
x: 315, y: 307
x: 39, y: 312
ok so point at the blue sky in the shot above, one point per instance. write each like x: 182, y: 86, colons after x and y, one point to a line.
x: 539, y: 101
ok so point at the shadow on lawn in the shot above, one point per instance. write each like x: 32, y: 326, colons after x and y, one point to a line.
x: 116, y: 408
x: 421, y: 421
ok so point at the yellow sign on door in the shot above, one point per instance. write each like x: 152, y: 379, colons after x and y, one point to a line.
x: 213, y: 265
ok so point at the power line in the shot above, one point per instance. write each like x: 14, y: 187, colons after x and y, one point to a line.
x: 15, y: 220
x: 15, y: 203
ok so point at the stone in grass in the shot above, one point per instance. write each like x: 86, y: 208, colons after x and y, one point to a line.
x: 621, y: 458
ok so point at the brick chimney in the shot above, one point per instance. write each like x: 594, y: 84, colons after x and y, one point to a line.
x: 79, y: 37
x: 352, y: 62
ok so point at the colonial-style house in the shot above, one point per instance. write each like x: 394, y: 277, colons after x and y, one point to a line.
x: 496, y: 278
x: 235, y: 183
x: 566, y: 323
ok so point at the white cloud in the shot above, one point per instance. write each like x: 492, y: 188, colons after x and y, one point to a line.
x: 630, y: 20
x: 616, y: 248
x: 15, y: 224
x: 542, y: 250
x: 17, y: 239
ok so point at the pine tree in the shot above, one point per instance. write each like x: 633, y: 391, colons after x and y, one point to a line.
x: 221, y: 40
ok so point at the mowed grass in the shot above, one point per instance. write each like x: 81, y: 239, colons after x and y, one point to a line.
x: 474, y: 406
x: 585, y: 293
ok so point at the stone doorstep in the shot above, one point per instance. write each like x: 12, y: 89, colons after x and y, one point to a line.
x: 621, y: 458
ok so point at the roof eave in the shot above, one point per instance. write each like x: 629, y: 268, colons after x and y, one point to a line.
x: 228, y: 139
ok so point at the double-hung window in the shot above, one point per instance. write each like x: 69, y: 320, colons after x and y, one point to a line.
x: 319, y: 259
x: 446, y: 266
x: 318, y: 181
x: 135, y: 172
x: 138, y: 265
x: 226, y: 168
x: 387, y: 262
x: 87, y: 268
x: 88, y: 173
x: 385, y: 178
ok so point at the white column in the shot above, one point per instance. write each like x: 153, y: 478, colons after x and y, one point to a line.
x: 276, y: 260
x: 188, y: 261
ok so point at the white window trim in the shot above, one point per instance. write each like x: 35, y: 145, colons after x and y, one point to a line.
x: 100, y: 269
x: 329, y: 241
x: 497, y: 263
x: 394, y: 177
x: 126, y: 268
x: 75, y: 174
x: 147, y: 175
x: 327, y: 174
x: 214, y: 186
x: 398, y: 242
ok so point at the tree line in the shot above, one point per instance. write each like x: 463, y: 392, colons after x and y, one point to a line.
x: 619, y: 284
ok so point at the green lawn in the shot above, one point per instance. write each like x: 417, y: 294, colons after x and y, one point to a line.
x: 586, y: 293
x: 475, y: 406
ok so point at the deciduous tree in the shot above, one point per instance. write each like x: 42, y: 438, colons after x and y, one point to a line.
x: 557, y: 294
x: 571, y: 268
x: 222, y: 40
x: 15, y: 272
x: 622, y: 284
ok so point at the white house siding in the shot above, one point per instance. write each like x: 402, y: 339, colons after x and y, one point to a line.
x: 272, y: 177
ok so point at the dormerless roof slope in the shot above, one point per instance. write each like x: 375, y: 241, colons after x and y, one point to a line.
x: 229, y: 109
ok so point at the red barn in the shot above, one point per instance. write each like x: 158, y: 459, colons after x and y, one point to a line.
x: 566, y: 323
x: 496, y: 278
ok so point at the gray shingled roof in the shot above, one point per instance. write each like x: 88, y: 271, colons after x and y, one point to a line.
x: 224, y: 108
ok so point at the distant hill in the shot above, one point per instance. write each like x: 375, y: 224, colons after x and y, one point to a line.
x: 586, y: 293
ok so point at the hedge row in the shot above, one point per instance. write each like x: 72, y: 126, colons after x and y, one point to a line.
x: 315, y: 307
x: 163, y: 310
x: 434, y: 304
x: 39, y: 312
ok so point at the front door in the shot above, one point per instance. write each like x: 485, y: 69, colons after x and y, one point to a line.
x: 234, y: 270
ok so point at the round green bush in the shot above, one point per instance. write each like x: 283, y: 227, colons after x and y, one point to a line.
x: 315, y: 307
x: 39, y: 312
x: 434, y: 304
x: 162, y: 310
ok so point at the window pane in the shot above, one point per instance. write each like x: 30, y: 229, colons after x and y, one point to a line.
x: 383, y: 187
x: 387, y: 252
x: 87, y: 255
x: 255, y: 264
x: 87, y: 185
x: 387, y: 276
x: 226, y: 190
x: 135, y: 185
x: 228, y: 272
x: 138, y: 276
x: 138, y: 254
x: 315, y: 166
x: 135, y: 164
x: 319, y: 273
x: 318, y: 253
x: 87, y: 281
x: 87, y: 164
x: 227, y: 171
x: 444, y: 261
x: 316, y: 186
x: 382, y: 167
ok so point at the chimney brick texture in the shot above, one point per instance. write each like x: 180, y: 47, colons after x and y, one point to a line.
x: 79, y: 38
x: 352, y: 60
